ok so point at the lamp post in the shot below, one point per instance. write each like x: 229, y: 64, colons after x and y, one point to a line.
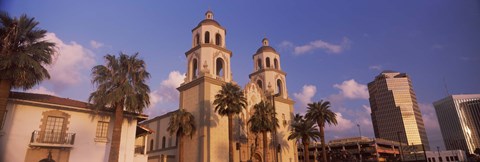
x: 400, y: 142
x: 358, y: 143
x: 359, y: 131
x: 272, y: 95
x: 438, y: 150
x: 415, y: 150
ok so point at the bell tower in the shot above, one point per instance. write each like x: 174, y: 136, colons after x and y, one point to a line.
x: 268, y: 74
x: 208, y: 68
x: 271, y: 80
x: 208, y: 55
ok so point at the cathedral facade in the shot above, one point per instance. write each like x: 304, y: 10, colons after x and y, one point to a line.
x: 208, y: 68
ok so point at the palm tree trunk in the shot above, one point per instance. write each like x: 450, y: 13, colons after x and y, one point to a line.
x: 117, y: 134
x: 5, y: 86
x: 180, y: 148
x: 265, y: 146
x: 230, y: 138
x: 306, y: 157
x: 322, y: 137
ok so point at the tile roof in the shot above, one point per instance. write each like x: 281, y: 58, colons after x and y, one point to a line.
x: 48, y: 99
x: 44, y: 98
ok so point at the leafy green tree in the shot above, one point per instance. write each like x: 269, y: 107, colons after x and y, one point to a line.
x: 23, y: 54
x: 120, y: 87
x: 230, y: 101
x: 263, y: 121
x: 182, y: 123
x: 320, y: 113
x: 304, y: 131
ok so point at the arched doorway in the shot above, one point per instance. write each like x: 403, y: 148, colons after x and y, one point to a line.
x: 257, y: 158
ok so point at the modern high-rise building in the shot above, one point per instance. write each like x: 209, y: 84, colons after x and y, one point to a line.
x: 395, y: 113
x: 459, y: 120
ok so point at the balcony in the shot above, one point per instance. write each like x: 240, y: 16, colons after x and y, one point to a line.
x: 52, y: 139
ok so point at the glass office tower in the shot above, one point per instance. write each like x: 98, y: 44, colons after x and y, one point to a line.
x: 459, y: 120
x: 395, y: 112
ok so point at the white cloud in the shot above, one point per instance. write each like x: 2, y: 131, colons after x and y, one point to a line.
x: 367, y: 109
x: 96, y: 44
x: 285, y: 45
x: 375, y: 67
x: 69, y: 62
x: 41, y: 90
x: 320, y: 44
x: 437, y: 47
x: 343, y: 125
x: 431, y: 124
x: 350, y: 89
x: 305, y: 97
x: 166, y: 97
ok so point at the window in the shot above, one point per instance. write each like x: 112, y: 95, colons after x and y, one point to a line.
x: 220, y: 69
x: 53, y: 129
x: 279, y: 86
x: 151, y: 144
x: 194, y: 68
x: 197, y: 39
x: 163, y: 142
x: 267, y: 60
x: 4, y: 117
x: 259, y: 83
x: 275, y: 63
x: 207, y: 37
x: 102, y: 129
x: 259, y: 64
x: 218, y: 39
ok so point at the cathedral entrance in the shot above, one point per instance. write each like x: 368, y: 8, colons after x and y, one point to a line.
x: 257, y: 158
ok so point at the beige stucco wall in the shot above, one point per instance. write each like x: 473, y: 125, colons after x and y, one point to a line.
x: 23, y: 119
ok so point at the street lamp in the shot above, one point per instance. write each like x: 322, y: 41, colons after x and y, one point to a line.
x: 358, y: 143
x: 274, y: 138
x: 359, y: 131
x: 415, y: 150
x: 400, y: 142
x: 438, y: 150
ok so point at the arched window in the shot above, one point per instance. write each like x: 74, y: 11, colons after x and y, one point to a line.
x: 279, y: 86
x: 197, y: 39
x: 194, y: 68
x: 151, y: 144
x: 275, y: 63
x: 218, y: 39
x: 259, y: 64
x: 207, y: 37
x: 163, y: 142
x: 220, y: 71
x: 267, y: 60
x: 259, y: 83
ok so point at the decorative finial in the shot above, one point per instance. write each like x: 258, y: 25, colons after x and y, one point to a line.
x: 265, y: 42
x: 209, y: 14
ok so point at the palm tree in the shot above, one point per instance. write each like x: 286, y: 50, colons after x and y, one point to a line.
x: 297, y: 118
x: 304, y: 131
x: 230, y: 101
x: 182, y: 123
x: 319, y: 112
x: 120, y: 87
x: 23, y: 54
x: 263, y: 121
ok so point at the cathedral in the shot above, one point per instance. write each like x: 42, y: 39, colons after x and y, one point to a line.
x: 208, y: 68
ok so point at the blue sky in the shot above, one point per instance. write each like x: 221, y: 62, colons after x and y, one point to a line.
x: 329, y: 49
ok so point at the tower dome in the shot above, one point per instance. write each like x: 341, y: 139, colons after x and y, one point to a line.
x: 209, y: 20
x: 266, y: 47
